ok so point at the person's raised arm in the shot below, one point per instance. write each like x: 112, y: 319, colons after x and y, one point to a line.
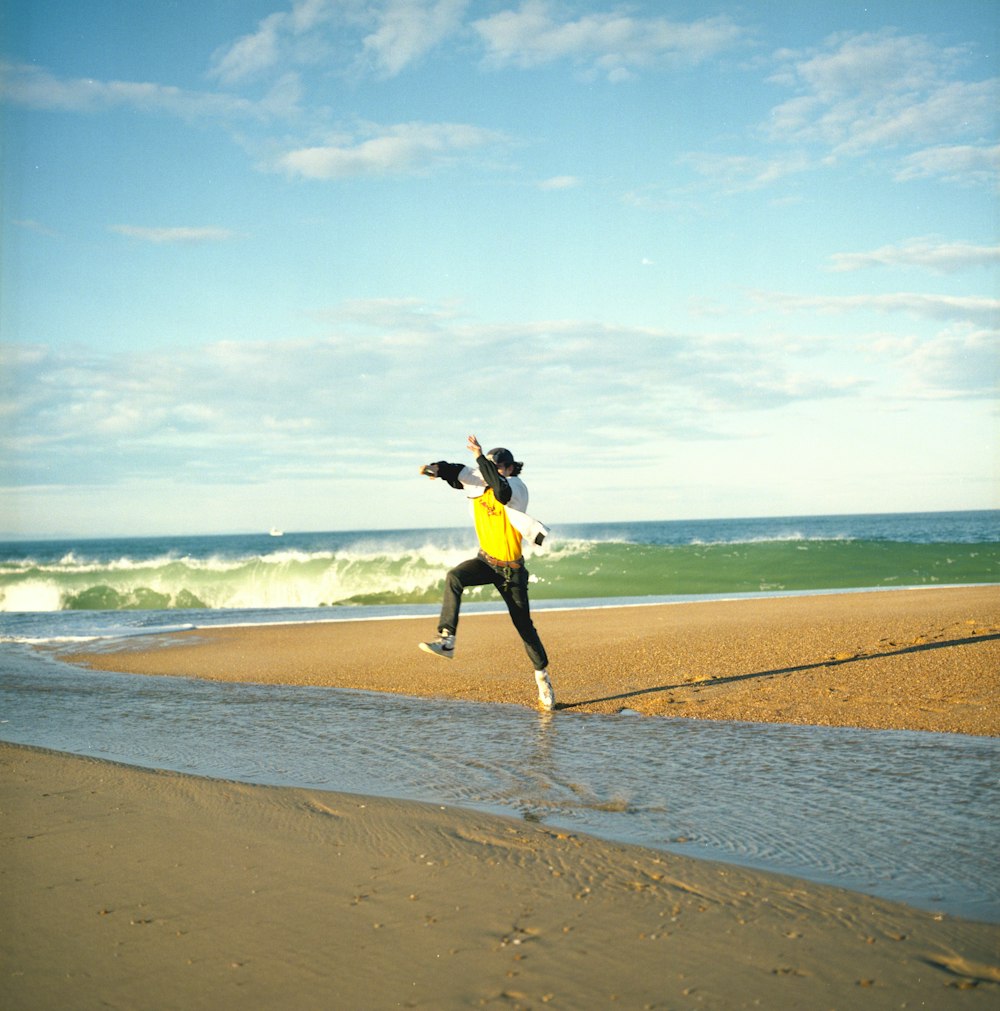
x: 492, y: 476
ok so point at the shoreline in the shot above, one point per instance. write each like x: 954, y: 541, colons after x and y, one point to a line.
x: 134, y: 887
x: 922, y: 659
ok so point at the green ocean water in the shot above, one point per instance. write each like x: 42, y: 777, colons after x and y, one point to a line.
x: 636, y: 570
x: 677, y: 558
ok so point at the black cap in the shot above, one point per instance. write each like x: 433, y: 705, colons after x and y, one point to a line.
x: 501, y: 457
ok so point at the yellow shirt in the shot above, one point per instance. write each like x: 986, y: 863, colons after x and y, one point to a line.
x: 497, y: 537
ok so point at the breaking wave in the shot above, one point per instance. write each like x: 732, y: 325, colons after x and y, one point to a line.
x: 297, y: 577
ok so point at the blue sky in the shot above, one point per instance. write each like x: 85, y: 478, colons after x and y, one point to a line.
x: 262, y: 259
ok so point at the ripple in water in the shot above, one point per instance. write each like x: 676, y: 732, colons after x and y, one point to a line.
x: 907, y: 816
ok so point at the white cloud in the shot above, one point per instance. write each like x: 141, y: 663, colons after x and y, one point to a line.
x: 237, y: 408
x: 876, y: 90
x: 858, y: 95
x: 280, y: 39
x: 961, y: 163
x: 962, y: 361
x: 934, y: 254
x: 406, y: 148
x: 950, y: 110
x: 744, y: 173
x: 182, y: 235
x: 332, y: 417
x: 252, y: 53
x: 615, y: 43
x: 559, y: 183
x: 869, y: 63
x: 409, y: 29
x: 947, y: 307
x: 36, y: 226
x: 396, y: 315
x: 396, y: 34
x: 35, y: 87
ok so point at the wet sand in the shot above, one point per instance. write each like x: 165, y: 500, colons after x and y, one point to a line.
x: 132, y: 888
x: 908, y: 659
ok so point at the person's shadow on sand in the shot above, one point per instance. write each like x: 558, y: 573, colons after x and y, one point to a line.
x: 833, y: 662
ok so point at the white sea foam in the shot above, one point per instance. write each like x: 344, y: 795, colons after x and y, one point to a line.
x: 34, y: 595
x: 119, y: 632
x: 278, y: 579
x: 790, y: 537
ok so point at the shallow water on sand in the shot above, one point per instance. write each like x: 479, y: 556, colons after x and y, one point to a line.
x: 907, y: 816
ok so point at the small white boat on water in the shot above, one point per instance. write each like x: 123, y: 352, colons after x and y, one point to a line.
x: 275, y: 532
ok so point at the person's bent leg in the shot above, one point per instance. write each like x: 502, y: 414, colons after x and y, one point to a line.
x: 473, y: 572
x: 515, y: 595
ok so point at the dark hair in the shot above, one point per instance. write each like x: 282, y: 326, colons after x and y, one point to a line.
x: 518, y: 467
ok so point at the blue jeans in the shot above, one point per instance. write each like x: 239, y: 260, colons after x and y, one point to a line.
x: 512, y: 585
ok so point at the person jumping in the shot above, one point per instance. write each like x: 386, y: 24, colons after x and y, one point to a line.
x: 499, y: 499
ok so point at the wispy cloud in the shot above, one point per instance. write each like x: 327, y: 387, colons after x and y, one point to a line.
x: 961, y: 362
x: 958, y: 362
x: 935, y: 254
x: 939, y: 307
x: 233, y: 406
x: 258, y: 411
x: 284, y: 38
x: 879, y: 90
x: 615, y: 44
x: 386, y: 37
x: 959, y: 163
x: 857, y: 95
x: 35, y: 87
x: 36, y: 226
x: 402, y: 149
x: 559, y: 183
x: 252, y: 53
x: 407, y: 30
x: 182, y: 235
x: 743, y: 173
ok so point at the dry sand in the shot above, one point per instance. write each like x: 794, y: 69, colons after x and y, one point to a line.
x: 917, y: 660
x: 138, y: 889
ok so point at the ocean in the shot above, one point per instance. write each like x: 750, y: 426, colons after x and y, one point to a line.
x: 903, y: 815
x: 109, y: 586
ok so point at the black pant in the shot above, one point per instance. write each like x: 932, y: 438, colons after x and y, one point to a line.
x: 513, y: 587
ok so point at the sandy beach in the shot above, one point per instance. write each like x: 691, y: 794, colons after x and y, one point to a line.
x: 907, y: 659
x: 141, y: 889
